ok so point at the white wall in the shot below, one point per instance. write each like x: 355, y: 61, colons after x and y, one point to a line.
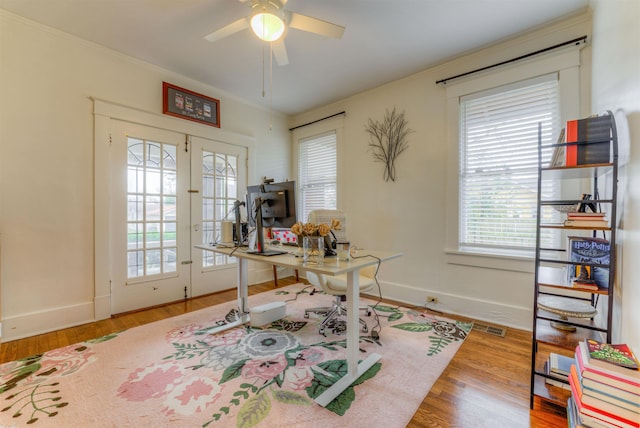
x: 410, y: 214
x: 616, y: 87
x: 46, y: 161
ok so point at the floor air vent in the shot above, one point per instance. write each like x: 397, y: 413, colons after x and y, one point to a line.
x: 496, y: 331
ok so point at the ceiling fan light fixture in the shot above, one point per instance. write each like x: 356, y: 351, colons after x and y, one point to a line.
x: 267, y: 21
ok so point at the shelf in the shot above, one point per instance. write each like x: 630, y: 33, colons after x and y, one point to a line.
x: 563, y: 339
x: 562, y: 226
x: 556, y: 202
x: 578, y: 171
x: 551, y: 393
x: 557, y: 278
x: 556, y: 301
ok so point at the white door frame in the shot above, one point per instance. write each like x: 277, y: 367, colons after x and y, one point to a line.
x: 104, y: 111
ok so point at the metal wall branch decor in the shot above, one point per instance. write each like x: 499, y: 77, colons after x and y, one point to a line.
x: 387, y: 139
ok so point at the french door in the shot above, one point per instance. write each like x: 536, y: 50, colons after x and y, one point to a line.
x: 168, y: 192
x: 218, y: 179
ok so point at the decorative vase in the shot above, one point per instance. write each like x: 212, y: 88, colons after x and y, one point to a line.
x: 313, y: 250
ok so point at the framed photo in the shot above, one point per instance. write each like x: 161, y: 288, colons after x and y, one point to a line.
x: 186, y: 104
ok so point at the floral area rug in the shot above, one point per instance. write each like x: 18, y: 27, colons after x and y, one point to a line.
x: 175, y: 373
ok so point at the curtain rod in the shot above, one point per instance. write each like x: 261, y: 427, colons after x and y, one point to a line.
x: 577, y: 41
x: 316, y: 121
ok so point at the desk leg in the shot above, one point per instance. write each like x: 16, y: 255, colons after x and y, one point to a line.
x: 354, y: 370
x: 243, y: 298
x: 353, y: 324
x: 243, y: 286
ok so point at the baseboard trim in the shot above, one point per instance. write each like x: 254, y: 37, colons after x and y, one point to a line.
x: 35, y: 323
x: 102, y: 307
x: 471, y: 307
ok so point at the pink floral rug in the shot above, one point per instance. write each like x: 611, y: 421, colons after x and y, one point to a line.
x: 175, y: 373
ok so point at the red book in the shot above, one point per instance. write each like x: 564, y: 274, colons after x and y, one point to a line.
x: 571, y: 152
x: 603, y: 416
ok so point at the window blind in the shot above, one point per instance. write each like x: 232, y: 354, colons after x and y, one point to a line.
x: 317, y: 169
x: 499, y: 164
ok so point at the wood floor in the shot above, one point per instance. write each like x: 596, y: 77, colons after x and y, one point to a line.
x: 485, y: 385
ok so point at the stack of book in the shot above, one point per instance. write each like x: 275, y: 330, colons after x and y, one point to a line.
x: 605, y: 387
x: 586, y: 219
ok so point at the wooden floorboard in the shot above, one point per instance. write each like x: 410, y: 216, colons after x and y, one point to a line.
x: 485, y: 385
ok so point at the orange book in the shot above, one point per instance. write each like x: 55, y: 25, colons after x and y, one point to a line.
x: 571, y: 152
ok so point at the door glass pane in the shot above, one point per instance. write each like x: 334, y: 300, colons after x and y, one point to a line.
x: 220, y: 190
x: 151, y: 208
x: 169, y: 208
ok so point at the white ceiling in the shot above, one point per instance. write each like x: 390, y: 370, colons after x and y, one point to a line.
x: 384, y: 39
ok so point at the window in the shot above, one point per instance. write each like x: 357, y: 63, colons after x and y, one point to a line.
x: 499, y: 164
x: 317, y: 173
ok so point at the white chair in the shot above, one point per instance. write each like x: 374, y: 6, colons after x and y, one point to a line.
x: 337, y: 285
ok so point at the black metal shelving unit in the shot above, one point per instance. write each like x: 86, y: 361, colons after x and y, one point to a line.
x: 551, y: 266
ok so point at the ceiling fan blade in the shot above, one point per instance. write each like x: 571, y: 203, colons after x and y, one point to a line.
x: 314, y: 25
x: 280, y: 52
x: 228, y: 30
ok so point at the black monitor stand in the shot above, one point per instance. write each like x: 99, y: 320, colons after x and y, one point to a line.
x: 261, y: 250
x: 239, y: 239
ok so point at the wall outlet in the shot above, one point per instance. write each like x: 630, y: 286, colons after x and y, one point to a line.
x: 432, y: 299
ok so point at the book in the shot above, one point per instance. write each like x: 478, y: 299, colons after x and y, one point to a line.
x: 599, y: 409
x: 576, y: 420
x: 560, y: 364
x: 608, y: 393
x: 557, y: 158
x: 592, y: 136
x: 574, y: 215
x: 579, y: 214
x: 586, y: 285
x: 592, y: 257
x: 603, y: 388
x: 612, y: 356
x: 624, y: 381
x: 557, y: 383
x: 621, y: 418
x: 586, y: 223
x: 612, y: 404
x: 560, y: 381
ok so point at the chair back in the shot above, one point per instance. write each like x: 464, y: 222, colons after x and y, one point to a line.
x: 325, y: 216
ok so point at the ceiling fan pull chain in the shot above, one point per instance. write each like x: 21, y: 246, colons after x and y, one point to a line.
x: 270, y: 86
x: 263, y: 70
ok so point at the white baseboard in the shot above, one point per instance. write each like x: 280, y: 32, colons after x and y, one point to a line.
x: 478, y: 309
x: 34, y: 323
x: 102, y: 307
x: 31, y: 324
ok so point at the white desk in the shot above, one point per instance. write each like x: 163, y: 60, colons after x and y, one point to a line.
x: 331, y: 267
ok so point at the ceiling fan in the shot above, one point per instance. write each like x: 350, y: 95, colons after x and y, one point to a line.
x: 270, y: 21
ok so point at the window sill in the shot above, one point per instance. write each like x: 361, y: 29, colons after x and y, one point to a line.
x: 510, y: 262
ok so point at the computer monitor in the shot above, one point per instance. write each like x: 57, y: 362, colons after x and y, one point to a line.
x: 271, y: 205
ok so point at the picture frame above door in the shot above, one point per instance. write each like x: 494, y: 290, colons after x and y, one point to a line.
x: 186, y: 104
